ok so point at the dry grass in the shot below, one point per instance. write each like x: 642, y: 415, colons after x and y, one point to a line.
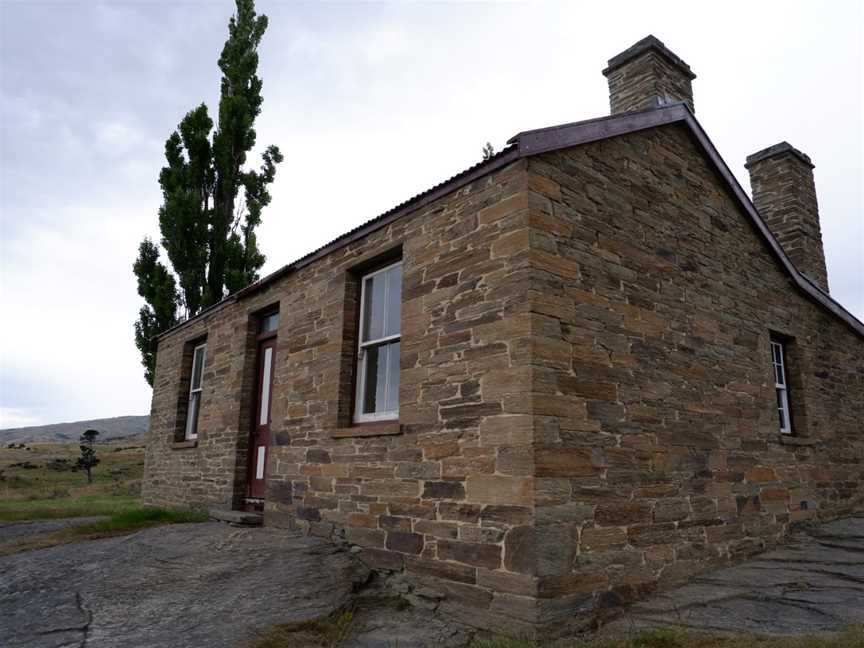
x: 31, y: 489
x: 852, y: 637
x: 37, y: 484
x: 326, y: 632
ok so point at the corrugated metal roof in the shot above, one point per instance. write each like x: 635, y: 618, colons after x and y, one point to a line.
x: 552, y: 138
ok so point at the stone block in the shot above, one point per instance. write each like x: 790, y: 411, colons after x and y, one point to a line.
x: 404, y: 542
x: 476, y: 555
x: 496, y: 489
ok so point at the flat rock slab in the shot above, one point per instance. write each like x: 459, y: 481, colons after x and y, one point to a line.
x: 13, y: 531
x: 182, y: 585
x: 242, y: 518
x: 815, y: 583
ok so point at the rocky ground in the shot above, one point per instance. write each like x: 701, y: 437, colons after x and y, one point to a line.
x: 813, y: 583
x: 214, y: 585
x: 182, y: 585
x: 13, y: 531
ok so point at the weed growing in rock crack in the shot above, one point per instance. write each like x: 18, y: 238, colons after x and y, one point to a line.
x: 325, y: 632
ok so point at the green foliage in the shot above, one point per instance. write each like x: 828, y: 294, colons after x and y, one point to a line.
x: 88, y: 459
x: 207, y: 225
x: 52, y: 509
x: 140, y: 518
x: 156, y: 285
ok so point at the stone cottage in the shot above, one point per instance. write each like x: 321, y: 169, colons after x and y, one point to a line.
x: 584, y: 369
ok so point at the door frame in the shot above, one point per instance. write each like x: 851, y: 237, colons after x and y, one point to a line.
x: 262, y: 341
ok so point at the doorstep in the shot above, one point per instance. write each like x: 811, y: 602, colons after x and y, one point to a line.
x: 241, y: 518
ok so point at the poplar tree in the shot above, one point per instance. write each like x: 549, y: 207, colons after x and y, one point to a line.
x: 207, y: 224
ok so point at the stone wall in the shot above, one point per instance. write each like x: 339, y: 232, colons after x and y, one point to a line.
x: 210, y: 471
x: 444, y: 493
x: 438, y: 494
x: 667, y: 459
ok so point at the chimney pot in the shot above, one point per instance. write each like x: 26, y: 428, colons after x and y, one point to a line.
x: 784, y: 193
x: 648, y: 75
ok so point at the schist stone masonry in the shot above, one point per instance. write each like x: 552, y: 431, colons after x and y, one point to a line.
x: 583, y: 370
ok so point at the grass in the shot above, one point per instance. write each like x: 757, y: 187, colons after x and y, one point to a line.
x: 35, y: 485
x: 326, y: 632
x: 851, y: 637
x: 48, y: 509
x: 121, y: 523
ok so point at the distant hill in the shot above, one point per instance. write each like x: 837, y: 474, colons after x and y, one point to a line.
x: 109, y: 428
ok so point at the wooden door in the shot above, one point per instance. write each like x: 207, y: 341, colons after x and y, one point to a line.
x: 261, y: 423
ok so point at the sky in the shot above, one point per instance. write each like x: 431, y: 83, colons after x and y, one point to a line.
x: 371, y: 103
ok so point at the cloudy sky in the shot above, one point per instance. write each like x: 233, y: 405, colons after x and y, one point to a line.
x: 371, y: 103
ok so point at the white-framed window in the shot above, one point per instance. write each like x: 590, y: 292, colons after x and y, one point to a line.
x: 778, y: 360
x: 377, y: 395
x: 194, y: 404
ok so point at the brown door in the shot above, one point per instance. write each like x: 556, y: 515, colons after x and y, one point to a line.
x: 261, y: 423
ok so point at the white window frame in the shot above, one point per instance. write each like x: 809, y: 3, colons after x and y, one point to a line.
x: 362, y: 346
x: 781, y: 386
x: 191, y: 434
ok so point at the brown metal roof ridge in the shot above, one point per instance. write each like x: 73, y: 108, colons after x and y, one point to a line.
x: 553, y: 138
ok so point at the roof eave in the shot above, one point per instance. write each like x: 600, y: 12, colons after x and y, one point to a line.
x: 542, y: 140
x: 497, y: 161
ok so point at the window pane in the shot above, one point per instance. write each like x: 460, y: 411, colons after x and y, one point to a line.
x: 392, y: 377
x: 373, y: 307
x: 197, y: 367
x: 381, y: 393
x: 375, y: 378
x: 269, y: 322
x: 265, y: 387
x: 192, y: 415
x: 394, y: 299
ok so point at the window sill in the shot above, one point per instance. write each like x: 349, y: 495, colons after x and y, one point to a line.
x: 389, y: 428
x: 182, y: 445
x: 788, y: 439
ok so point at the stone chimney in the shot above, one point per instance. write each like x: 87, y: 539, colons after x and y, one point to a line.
x: 646, y: 76
x: 784, y: 193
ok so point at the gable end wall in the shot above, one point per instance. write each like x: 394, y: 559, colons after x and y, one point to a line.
x: 668, y: 460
